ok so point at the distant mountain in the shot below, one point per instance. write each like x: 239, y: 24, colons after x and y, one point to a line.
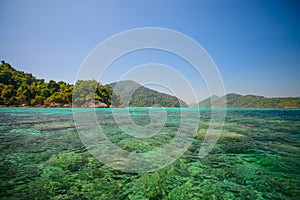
x: 207, y: 102
x: 19, y: 88
x: 136, y: 95
x: 251, y: 101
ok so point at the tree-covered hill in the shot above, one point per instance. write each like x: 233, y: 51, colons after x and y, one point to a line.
x: 252, y: 101
x: 19, y: 88
x: 135, y: 95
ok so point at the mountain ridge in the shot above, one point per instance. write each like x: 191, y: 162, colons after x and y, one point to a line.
x: 135, y: 95
x: 21, y: 88
x: 18, y: 88
x: 234, y: 100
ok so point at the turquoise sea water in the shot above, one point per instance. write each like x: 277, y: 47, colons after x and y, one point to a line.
x: 256, y: 157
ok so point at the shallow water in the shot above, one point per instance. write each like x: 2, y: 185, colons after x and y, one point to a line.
x: 256, y: 157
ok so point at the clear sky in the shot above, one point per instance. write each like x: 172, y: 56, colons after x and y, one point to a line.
x: 255, y: 44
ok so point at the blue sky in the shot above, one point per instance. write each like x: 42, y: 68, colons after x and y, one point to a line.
x: 255, y: 44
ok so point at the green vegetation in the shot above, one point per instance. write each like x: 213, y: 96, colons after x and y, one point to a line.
x: 135, y: 95
x: 86, y: 90
x: 252, y: 101
x: 23, y: 89
x: 144, y: 97
x: 20, y: 88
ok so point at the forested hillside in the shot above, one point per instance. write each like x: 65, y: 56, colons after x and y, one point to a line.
x: 135, y: 95
x: 252, y: 101
x: 18, y: 88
